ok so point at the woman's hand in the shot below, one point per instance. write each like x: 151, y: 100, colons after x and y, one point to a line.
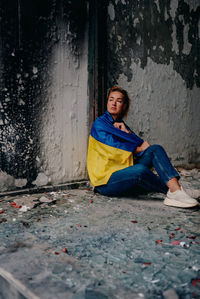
x: 122, y: 127
x: 142, y: 147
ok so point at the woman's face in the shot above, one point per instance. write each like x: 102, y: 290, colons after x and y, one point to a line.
x: 115, y: 104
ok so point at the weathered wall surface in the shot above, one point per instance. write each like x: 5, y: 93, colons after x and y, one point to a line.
x: 64, y: 118
x: 154, y: 53
x: 43, y: 92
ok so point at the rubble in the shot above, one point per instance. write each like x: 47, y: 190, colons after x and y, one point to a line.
x: 24, y: 209
x: 28, y: 201
x: 113, y: 248
x: 44, y: 199
x: 170, y: 294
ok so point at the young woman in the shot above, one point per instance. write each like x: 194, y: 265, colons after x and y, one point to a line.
x: 110, y: 163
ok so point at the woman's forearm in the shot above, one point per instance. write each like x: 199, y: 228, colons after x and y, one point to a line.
x: 142, y: 147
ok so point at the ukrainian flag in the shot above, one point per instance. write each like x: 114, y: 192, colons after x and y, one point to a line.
x: 109, y: 150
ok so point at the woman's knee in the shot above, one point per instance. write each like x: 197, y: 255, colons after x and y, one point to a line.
x: 141, y: 169
x: 157, y: 147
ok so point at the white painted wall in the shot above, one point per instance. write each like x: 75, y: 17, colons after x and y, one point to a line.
x: 64, y: 120
x: 163, y: 106
x: 164, y: 110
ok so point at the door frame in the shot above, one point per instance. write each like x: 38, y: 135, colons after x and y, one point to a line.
x: 97, y: 58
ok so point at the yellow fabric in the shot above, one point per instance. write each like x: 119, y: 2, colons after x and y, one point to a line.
x: 103, y: 160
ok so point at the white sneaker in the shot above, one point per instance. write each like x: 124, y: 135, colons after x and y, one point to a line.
x: 180, y: 199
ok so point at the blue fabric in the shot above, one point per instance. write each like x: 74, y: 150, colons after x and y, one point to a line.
x: 140, y: 175
x: 104, y: 131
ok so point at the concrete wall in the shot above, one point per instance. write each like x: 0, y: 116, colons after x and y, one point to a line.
x: 154, y: 53
x: 43, y: 92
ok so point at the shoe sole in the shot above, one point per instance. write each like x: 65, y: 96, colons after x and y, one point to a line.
x: 178, y: 204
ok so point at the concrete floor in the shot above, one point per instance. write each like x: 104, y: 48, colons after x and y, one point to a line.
x: 80, y: 245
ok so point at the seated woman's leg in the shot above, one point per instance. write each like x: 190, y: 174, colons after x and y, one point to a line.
x: 156, y: 156
x: 122, y: 181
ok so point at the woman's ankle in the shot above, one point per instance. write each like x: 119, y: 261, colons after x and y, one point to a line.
x: 173, y: 185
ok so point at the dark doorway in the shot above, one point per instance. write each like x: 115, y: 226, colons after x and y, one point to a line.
x: 97, y: 58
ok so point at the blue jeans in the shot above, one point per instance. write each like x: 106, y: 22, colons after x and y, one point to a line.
x: 128, y: 180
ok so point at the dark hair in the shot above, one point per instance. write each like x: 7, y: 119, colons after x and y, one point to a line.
x: 126, y: 98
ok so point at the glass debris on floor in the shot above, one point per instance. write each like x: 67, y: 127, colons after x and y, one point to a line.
x: 80, y: 244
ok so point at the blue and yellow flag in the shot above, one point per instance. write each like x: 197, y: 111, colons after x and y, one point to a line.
x: 109, y: 150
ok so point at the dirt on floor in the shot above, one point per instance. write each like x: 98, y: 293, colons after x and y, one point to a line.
x: 81, y: 245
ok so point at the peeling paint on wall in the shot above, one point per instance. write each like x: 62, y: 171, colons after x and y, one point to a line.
x: 64, y: 119
x: 111, y: 12
x: 30, y: 35
x: 161, y: 30
x: 163, y: 110
x: 154, y: 53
